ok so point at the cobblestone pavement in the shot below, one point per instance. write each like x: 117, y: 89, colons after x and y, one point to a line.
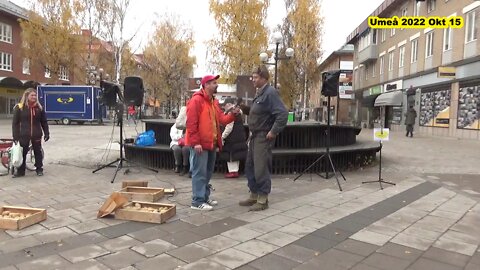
x: 429, y: 220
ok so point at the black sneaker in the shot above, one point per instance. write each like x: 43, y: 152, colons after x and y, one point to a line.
x: 39, y: 173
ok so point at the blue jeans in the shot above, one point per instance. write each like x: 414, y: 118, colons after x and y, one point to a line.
x: 201, y: 166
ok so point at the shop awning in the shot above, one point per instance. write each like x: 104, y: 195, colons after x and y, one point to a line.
x: 394, y: 98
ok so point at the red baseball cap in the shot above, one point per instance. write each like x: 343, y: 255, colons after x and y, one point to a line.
x: 208, y: 78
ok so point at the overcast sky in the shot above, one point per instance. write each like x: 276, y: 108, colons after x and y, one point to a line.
x: 341, y: 18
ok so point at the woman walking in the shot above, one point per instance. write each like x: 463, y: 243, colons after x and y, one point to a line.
x: 28, y: 126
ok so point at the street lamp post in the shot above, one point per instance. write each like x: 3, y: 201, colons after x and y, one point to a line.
x: 94, y: 75
x: 277, y: 38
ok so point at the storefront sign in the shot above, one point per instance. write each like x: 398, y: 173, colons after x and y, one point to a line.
x: 375, y: 90
x: 391, y: 86
x: 345, y: 87
x: 446, y: 72
x: 4, y: 91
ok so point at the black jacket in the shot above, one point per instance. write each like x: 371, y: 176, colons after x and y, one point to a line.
x: 235, y: 146
x: 29, y: 123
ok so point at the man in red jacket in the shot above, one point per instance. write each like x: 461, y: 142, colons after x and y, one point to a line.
x: 203, y: 135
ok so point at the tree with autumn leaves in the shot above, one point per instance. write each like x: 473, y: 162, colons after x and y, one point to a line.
x: 242, y: 34
x: 167, y: 62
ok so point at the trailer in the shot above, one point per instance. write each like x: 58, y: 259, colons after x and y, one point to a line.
x: 71, y: 103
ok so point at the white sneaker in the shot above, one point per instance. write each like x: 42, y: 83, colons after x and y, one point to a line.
x: 202, y: 207
x: 212, y: 202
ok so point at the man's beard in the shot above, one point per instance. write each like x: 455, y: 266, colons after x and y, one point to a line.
x: 215, y: 90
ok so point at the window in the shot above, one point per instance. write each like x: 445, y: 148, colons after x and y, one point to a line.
x: 5, y: 61
x: 431, y: 5
x: 374, y: 67
x: 366, y: 72
x: 416, y: 8
x: 47, y: 72
x: 382, y: 64
x: 401, y: 56
x: 392, y: 32
x: 414, y: 56
x: 384, y: 33
x: 429, y: 44
x: 447, y: 39
x: 5, y: 32
x: 374, y: 36
x: 471, y: 27
x: 63, y: 74
x: 404, y: 12
x: 26, y: 66
x: 390, y: 60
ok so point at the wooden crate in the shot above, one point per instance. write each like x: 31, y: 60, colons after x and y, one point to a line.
x: 134, y: 184
x: 142, y: 194
x: 127, y: 213
x: 36, y: 215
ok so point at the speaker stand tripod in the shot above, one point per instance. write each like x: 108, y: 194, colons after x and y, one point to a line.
x: 380, y: 179
x: 327, y: 156
x: 119, y: 161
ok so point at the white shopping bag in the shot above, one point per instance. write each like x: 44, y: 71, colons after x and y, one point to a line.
x: 16, y: 155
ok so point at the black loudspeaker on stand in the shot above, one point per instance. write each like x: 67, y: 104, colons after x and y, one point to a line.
x: 118, y: 107
x: 380, y: 179
x: 329, y: 89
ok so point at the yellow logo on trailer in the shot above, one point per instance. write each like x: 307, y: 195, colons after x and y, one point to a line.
x: 65, y: 100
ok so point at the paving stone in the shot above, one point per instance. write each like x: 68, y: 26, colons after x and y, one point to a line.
x: 339, y: 257
x: 217, y: 227
x: 371, y: 237
x: 246, y: 267
x: 176, y: 226
x: 278, y: 238
x: 467, y: 238
x: 59, y: 214
x: 34, y: 229
x: 4, y: 236
x: 357, y: 247
x: 472, y: 266
x: 241, y: 234
x: 427, y: 264
x: 412, y: 241
x: 352, y: 223
x: 153, y: 248
x: 163, y: 261
x: 121, y: 259
x: 232, y: 258
x: 455, y: 246
x: 84, y: 253
x: 191, y: 252
x: 331, y: 233
x: 182, y: 238
x: 87, y: 226
x: 400, y: 251
x: 315, y: 243
x: 316, y: 264
x: 84, y: 239
x: 148, y: 234
x: 274, y: 262
x: 46, y: 249
x: 119, y: 243
x: 362, y: 266
x: 205, y: 264
x: 312, y: 222
x: 55, y: 235
x: 124, y: 228
x: 385, y: 262
x: 256, y: 247
x: 280, y: 220
x: 262, y: 226
x: 54, y: 223
x: 50, y: 262
x: 447, y: 257
x: 250, y: 217
x: 87, y: 265
x: 218, y: 243
x: 9, y: 268
x: 476, y: 258
x: 296, y: 229
x: 198, y: 219
x: 19, y: 244
x: 296, y: 253
x: 434, y: 223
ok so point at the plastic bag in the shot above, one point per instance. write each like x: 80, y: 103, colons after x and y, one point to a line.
x: 146, y: 138
x: 17, y: 155
x: 181, y: 121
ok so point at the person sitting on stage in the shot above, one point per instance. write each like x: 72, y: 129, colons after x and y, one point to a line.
x: 181, y: 152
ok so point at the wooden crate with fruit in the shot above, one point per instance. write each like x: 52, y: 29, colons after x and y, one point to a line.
x: 17, y: 218
x: 146, y: 212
